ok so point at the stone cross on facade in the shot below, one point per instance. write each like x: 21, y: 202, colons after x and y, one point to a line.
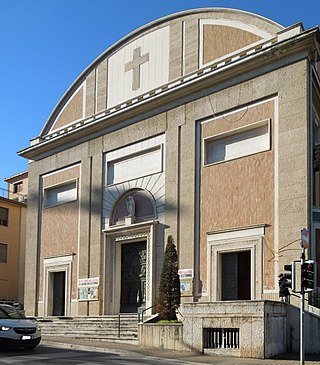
x: 134, y: 65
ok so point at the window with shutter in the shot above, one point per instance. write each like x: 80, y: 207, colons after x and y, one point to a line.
x: 4, y: 216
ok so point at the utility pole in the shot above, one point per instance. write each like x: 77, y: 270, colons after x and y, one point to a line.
x: 302, y: 350
x: 304, y: 245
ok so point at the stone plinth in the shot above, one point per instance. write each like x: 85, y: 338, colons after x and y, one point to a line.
x: 262, y: 326
x: 166, y: 336
x: 130, y: 219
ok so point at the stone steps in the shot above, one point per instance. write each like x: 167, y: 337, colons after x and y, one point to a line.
x: 104, y: 328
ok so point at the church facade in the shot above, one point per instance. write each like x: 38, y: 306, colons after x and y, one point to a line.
x: 203, y: 125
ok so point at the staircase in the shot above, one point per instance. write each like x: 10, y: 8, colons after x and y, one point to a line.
x: 123, y: 328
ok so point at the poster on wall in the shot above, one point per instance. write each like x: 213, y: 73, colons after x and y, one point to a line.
x: 185, y: 273
x: 186, y: 287
x: 186, y: 279
x: 88, y: 289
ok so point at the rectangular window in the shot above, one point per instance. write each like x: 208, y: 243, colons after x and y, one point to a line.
x: 17, y: 187
x: 3, y: 253
x: 237, y: 143
x: 133, y: 166
x: 4, y: 216
x: 60, y: 194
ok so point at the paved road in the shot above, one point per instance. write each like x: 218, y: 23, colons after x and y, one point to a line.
x: 48, y: 355
x: 95, y: 353
x: 148, y: 355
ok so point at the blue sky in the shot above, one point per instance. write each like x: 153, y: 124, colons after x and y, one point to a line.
x: 46, y: 44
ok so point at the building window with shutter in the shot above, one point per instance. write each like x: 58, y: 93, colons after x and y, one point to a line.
x: 237, y: 143
x: 3, y: 253
x: 4, y: 215
x: 18, y: 187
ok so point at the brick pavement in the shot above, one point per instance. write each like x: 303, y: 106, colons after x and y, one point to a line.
x: 101, y: 346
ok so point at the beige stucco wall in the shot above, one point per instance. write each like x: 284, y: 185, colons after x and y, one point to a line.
x: 221, y: 40
x: 283, y: 171
x: 289, y: 84
x: 60, y: 225
x: 179, y: 124
x: 89, y: 254
x: 240, y: 192
x: 72, y: 111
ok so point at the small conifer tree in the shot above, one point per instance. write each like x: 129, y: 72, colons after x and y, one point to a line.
x: 169, y: 290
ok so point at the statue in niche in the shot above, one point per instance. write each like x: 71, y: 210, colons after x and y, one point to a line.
x: 131, y: 206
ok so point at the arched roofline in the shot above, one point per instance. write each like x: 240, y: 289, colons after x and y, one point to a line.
x: 133, y: 34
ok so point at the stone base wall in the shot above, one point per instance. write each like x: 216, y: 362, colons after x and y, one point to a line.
x: 311, y: 331
x: 166, y: 336
x: 265, y: 329
x: 262, y: 326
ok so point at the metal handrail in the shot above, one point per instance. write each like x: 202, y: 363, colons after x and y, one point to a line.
x: 311, y: 300
x: 119, y: 322
x: 144, y: 310
x: 4, y: 193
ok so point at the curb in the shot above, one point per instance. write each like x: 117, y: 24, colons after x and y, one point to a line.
x: 131, y: 354
x: 72, y: 346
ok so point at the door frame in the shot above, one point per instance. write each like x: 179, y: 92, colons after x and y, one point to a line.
x: 121, y: 248
x: 249, y: 239
x: 118, y: 249
x: 52, y: 265
x: 113, y: 239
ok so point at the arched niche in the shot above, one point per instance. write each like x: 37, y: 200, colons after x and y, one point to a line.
x: 144, y: 207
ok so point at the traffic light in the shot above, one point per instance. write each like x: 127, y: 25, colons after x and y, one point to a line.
x: 308, y: 274
x: 289, y: 276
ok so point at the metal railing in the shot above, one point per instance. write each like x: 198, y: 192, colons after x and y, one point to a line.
x: 314, y: 300
x: 142, y: 312
x: 119, y: 322
x: 5, y: 193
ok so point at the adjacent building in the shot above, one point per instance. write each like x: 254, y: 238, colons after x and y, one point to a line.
x: 13, y: 211
x: 203, y: 125
x: 18, y: 187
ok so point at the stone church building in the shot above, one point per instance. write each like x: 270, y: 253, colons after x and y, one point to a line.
x: 203, y: 125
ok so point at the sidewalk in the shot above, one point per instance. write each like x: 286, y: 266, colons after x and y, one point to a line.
x: 136, y: 350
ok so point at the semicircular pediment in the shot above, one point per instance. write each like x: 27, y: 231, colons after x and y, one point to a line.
x: 147, y: 60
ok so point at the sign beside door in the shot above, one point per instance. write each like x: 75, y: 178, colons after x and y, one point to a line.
x: 186, y: 282
x: 88, y: 289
